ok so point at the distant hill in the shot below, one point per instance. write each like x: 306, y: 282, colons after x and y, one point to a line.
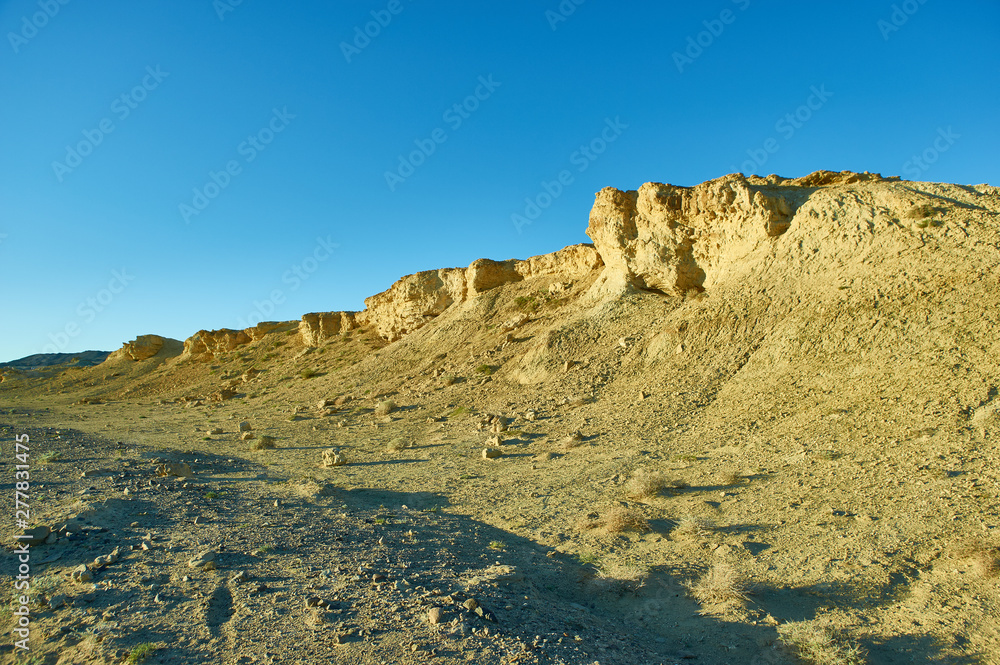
x: 39, y: 360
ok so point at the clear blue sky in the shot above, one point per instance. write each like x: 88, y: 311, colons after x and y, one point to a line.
x: 93, y: 238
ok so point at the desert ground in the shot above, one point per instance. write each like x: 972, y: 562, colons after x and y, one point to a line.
x: 754, y: 422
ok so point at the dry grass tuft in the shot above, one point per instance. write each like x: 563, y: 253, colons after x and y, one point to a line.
x: 720, y: 589
x: 572, y: 440
x: 264, y: 443
x: 729, y: 478
x: 616, y: 520
x: 693, y: 527
x: 819, y: 645
x: 645, y: 485
x: 385, y: 407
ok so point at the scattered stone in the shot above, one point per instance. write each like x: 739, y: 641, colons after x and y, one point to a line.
x: 91, y: 473
x: 205, y: 560
x: 180, y: 469
x: 494, y: 441
x: 81, y: 574
x: 106, y: 560
x: 434, y: 615
x: 470, y: 604
x: 56, y: 601
x: 247, y: 436
x: 215, y: 431
x: 531, y: 416
x: 198, y: 521
x: 333, y: 458
x: 35, y: 535
x: 245, y: 426
x: 492, y: 453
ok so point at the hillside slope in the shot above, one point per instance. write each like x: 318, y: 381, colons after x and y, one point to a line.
x: 794, y: 380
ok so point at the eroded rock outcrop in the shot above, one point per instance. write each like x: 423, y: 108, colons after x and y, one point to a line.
x: 674, y: 239
x: 143, y: 347
x: 416, y: 299
x: 318, y: 327
x: 205, y: 344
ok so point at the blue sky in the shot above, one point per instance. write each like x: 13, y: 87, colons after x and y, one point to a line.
x: 172, y: 166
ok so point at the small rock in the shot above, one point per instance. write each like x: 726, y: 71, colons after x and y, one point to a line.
x: 470, y: 604
x: 492, y: 453
x: 239, y: 577
x: 90, y: 473
x: 531, y: 416
x: 215, y: 431
x: 35, y: 535
x: 333, y: 458
x: 313, y: 601
x: 245, y: 426
x: 247, y: 436
x: 200, y: 520
x: 180, y: 469
x: 56, y: 601
x: 203, y: 560
x: 81, y: 574
x: 494, y: 441
x: 434, y: 615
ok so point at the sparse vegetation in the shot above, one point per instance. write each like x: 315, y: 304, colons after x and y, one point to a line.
x: 484, y: 369
x: 720, y: 589
x: 616, y: 520
x: 140, y: 653
x: 527, y: 304
x: 923, y: 215
x: 645, y: 485
x: 458, y: 411
x: 308, y: 373
x: 497, y: 545
x: 820, y: 645
x: 693, y: 527
x: 265, y: 442
x: 449, y: 379
x: 49, y: 456
x: 729, y: 478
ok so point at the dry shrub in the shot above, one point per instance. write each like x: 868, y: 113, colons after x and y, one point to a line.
x: 573, y: 440
x: 645, y: 485
x: 385, y: 407
x: 820, y: 645
x: 616, y: 520
x: 693, y: 527
x: 720, y: 589
x: 399, y: 444
x: 264, y: 443
x: 730, y: 477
